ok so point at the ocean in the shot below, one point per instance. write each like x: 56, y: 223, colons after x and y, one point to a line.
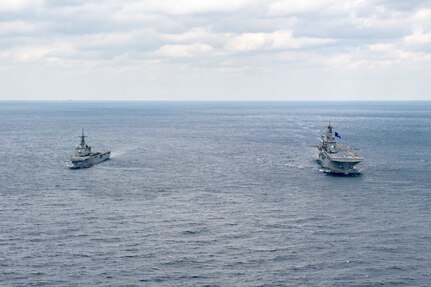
x: 214, y: 194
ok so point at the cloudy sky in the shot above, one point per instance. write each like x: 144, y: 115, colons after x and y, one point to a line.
x: 215, y: 49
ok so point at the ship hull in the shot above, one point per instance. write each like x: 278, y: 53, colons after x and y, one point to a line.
x: 90, y: 160
x: 338, y: 166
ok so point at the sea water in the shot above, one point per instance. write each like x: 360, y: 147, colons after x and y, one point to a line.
x: 214, y: 194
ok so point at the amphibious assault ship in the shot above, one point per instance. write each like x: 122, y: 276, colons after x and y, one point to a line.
x: 84, y: 157
x: 335, y: 157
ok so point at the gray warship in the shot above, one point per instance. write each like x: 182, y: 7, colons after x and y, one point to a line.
x: 337, y: 158
x: 84, y: 157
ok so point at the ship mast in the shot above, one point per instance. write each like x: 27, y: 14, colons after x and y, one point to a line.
x: 83, y: 138
x: 329, y: 136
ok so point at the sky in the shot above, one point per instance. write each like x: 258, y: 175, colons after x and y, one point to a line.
x: 215, y: 50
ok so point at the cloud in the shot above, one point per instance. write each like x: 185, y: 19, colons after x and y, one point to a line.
x: 274, y: 40
x: 418, y: 42
x: 225, y: 37
x: 108, y: 30
x: 423, y: 15
x: 418, y: 38
x: 184, y: 7
x: 195, y: 34
x: 181, y: 51
x: 14, y: 28
x: 298, y: 7
x: 36, y: 53
x: 19, y: 5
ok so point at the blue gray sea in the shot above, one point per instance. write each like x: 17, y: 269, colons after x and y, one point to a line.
x: 214, y: 194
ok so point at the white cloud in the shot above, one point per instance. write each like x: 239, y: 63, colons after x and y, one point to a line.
x: 381, y: 47
x: 325, y: 7
x: 37, y: 53
x: 233, y: 36
x: 181, y: 51
x: 111, y: 40
x: 176, y: 7
x: 418, y: 38
x: 17, y: 5
x: 423, y: 15
x: 107, y: 30
x: 295, y: 7
x: 14, y: 27
x: 274, y: 40
x: 193, y: 35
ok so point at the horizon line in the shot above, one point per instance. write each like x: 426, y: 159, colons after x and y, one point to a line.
x: 215, y: 101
